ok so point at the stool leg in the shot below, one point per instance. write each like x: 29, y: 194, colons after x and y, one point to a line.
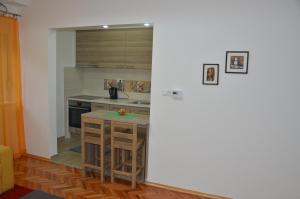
x: 133, y: 180
x: 123, y: 159
x: 143, y: 160
x: 112, y: 164
x: 102, y: 160
x: 83, y: 148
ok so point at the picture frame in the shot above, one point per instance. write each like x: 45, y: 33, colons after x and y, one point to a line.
x: 210, y: 74
x: 237, y: 62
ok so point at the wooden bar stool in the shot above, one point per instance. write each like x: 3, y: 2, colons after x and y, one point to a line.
x: 93, y: 138
x: 125, y: 143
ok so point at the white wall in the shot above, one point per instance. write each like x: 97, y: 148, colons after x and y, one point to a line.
x: 65, y: 57
x: 52, y: 98
x: 72, y: 81
x: 237, y: 139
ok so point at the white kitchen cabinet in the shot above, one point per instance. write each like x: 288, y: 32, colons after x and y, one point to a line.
x: 99, y: 106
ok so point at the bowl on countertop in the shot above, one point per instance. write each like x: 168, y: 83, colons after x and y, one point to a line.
x: 122, y: 111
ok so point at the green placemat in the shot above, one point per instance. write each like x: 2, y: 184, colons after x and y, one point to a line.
x: 116, y: 115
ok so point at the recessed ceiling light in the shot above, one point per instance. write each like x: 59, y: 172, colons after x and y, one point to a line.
x: 105, y: 26
x: 146, y: 24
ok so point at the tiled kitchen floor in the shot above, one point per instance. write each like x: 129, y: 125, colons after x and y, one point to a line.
x: 65, y: 156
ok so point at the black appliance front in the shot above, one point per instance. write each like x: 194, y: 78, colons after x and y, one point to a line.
x: 76, y: 108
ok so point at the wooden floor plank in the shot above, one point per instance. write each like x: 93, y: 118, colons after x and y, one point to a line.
x: 69, y: 183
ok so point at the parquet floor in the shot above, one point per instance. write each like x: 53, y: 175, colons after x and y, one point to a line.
x: 69, y: 183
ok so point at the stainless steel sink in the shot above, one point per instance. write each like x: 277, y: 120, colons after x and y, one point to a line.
x: 140, y: 102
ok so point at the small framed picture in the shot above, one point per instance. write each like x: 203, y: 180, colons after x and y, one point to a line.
x: 237, y: 62
x: 210, y: 74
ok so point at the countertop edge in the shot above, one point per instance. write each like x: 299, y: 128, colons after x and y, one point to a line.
x: 109, y: 101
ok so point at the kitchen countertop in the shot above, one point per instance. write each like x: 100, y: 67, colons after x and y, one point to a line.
x: 104, y: 100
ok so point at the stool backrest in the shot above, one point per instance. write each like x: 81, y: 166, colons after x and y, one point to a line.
x: 91, y: 125
x: 92, y: 135
x: 124, y: 131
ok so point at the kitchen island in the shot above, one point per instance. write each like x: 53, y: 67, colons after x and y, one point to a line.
x: 94, y: 139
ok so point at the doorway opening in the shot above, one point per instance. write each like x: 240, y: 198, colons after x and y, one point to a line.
x: 88, y: 62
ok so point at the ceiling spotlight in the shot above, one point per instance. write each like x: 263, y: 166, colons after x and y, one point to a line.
x: 105, y: 26
x: 146, y: 24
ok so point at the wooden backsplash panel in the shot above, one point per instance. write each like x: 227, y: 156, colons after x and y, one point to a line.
x: 115, y: 48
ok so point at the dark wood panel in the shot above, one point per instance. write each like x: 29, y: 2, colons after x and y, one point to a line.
x: 115, y: 48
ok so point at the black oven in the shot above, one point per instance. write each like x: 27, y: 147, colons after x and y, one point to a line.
x: 76, y: 108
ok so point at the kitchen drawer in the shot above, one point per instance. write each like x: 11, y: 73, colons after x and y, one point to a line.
x: 140, y: 110
x: 114, y: 107
x: 99, y: 106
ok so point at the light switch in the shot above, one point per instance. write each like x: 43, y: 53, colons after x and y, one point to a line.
x: 174, y: 93
x: 177, y: 94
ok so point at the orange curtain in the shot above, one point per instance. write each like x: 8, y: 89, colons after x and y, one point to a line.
x: 11, y: 111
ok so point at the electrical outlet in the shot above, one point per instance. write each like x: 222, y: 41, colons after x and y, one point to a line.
x: 177, y: 93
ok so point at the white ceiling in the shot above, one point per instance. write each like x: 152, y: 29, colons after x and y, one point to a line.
x: 15, y: 6
x: 16, y: 2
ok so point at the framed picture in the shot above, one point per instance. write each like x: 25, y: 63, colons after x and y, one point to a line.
x: 210, y: 74
x: 237, y: 62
